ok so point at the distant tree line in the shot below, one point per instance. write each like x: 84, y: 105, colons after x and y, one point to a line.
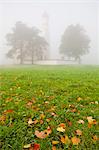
x: 25, y: 42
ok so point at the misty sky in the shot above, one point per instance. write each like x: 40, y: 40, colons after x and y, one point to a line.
x: 61, y: 14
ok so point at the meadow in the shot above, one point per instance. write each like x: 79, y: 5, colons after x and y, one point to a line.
x: 49, y: 107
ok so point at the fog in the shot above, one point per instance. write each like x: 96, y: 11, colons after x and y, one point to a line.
x: 61, y: 14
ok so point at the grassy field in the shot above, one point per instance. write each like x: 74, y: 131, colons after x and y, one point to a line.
x: 49, y: 107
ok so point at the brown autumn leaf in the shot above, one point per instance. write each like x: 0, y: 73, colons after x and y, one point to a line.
x: 55, y: 142
x: 72, y: 106
x: 29, y: 103
x: 33, y: 99
x: 91, y: 121
x: 69, y: 123
x: 48, y: 131
x: 51, y: 97
x: 31, y: 148
x: 81, y: 121
x: 35, y: 108
x: 74, y: 110
x: 8, y: 99
x: 95, y: 138
x: 75, y: 140
x: 78, y: 132
x: 51, y: 109
x: 35, y: 146
x: 89, y: 125
x: 48, y: 119
x: 41, y: 121
x: 62, y: 125
x: 35, y: 121
x: 79, y: 99
x: 43, y: 134
x: 8, y: 111
x: 65, y: 139
x: 42, y: 116
x: 2, y: 118
x: 54, y: 148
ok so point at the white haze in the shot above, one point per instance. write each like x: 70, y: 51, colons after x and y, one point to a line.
x: 61, y: 14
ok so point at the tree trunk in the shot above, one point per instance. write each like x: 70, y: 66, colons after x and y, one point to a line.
x: 32, y: 58
x: 79, y: 60
x: 21, y: 55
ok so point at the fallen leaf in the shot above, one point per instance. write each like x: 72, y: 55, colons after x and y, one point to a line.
x: 54, y: 148
x: 43, y: 134
x: 89, y: 125
x: 42, y: 116
x: 81, y: 121
x: 55, y: 142
x: 46, y: 102
x: 31, y: 148
x: 74, y: 110
x: 2, y: 118
x: 36, y: 146
x: 79, y: 99
x: 48, y: 131
x: 30, y: 121
x: 91, y: 102
x: 8, y: 111
x: 27, y: 146
x: 75, y: 140
x: 72, y: 106
x: 40, y: 135
x: 78, y: 132
x: 33, y: 99
x: 41, y: 121
x: 69, y: 123
x: 60, y: 129
x: 35, y: 121
x: 48, y: 119
x: 53, y: 114
x: 8, y: 99
x: 62, y: 125
x: 96, y: 102
x: 65, y: 139
x: 90, y: 120
x: 95, y: 138
x: 51, y: 97
x: 29, y: 103
x: 94, y: 121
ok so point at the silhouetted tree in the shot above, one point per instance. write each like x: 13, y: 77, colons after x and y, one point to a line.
x: 74, y: 42
x: 25, y: 41
x: 37, y: 45
x: 16, y: 40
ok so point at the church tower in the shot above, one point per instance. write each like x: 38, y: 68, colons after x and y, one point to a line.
x: 45, y: 33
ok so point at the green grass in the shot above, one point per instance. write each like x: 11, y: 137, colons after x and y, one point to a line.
x: 60, y: 86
